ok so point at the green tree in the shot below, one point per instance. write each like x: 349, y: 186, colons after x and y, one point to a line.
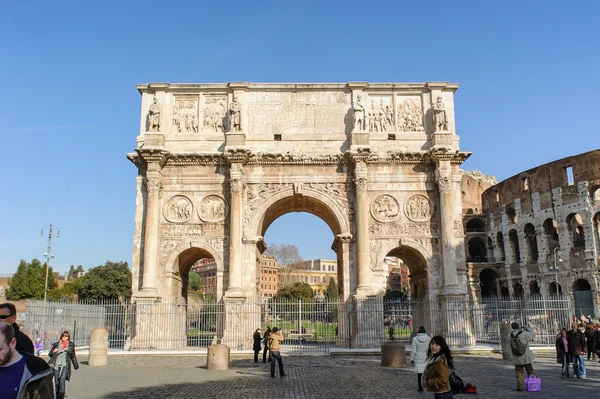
x: 29, y: 281
x: 332, y: 293
x: 67, y: 291
x: 111, y: 281
x: 296, y: 291
x: 195, y: 285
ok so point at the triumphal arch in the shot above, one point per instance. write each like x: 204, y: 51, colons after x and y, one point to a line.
x: 218, y: 163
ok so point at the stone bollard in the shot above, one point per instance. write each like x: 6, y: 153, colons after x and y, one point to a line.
x: 505, y: 330
x: 98, y: 348
x: 218, y: 357
x: 393, y: 354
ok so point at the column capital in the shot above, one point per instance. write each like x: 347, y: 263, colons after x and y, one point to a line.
x: 153, y: 183
x: 340, y: 240
x: 443, y: 180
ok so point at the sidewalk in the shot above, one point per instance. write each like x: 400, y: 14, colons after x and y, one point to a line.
x: 316, y: 376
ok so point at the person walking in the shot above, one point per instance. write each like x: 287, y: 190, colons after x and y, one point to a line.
x: 275, y: 339
x: 590, y: 339
x: 562, y: 352
x: 22, y: 375
x: 436, y: 375
x: 266, y: 342
x: 8, y: 314
x: 577, y: 348
x: 256, y: 347
x: 418, y: 354
x: 62, y: 354
x: 521, y: 354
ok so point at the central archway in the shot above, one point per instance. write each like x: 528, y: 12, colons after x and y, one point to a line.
x: 333, y: 211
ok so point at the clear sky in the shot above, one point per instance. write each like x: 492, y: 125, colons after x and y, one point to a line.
x: 69, y: 110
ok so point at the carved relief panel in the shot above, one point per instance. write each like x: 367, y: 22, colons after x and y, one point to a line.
x: 410, y: 114
x: 418, y: 208
x: 178, y: 209
x: 214, y: 114
x: 385, y: 208
x: 185, y: 115
x: 380, y: 114
x: 213, y: 209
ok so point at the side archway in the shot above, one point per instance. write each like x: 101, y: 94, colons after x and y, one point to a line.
x: 182, y: 258
x: 417, y: 266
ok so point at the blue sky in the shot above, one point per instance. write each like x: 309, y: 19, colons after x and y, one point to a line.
x: 69, y: 110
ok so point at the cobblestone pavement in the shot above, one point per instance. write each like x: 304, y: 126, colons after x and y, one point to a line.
x: 308, y: 376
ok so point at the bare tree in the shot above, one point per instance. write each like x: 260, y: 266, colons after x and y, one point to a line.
x: 288, y: 258
x: 286, y: 254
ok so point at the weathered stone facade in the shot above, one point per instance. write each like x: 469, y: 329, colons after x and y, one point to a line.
x: 218, y: 163
x: 541, y: 233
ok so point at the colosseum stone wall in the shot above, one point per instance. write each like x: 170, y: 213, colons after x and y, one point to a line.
x: 542, y: 234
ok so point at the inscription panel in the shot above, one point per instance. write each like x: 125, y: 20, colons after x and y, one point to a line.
x: 280, y: 112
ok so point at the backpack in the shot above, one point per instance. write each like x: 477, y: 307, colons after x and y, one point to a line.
x: 517, y: 347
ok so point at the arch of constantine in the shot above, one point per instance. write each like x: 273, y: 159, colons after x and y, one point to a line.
x: 218, y: 163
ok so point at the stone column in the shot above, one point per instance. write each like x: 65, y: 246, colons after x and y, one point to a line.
x: 152, y: 224
x: 445, y: 184
x: 524, y: 247
x: 341, y: 246
x: 236, y: 184
x: 362, y: 230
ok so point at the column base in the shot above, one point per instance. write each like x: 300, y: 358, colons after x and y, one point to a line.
x: 148, y: 293
x: 363, y: 291
x: 452, y: 289
x: 235, y: 292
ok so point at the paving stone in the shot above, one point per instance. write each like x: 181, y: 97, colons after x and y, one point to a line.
x: 308, y: 376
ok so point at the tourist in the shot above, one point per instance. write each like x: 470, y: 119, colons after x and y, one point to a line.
x: 22, y: 375
x: 62, y: 354
x: 562, y: 352
x: 8, y: 314
x: 436, y: 375
x: 418, y: 354
x: 38, y: 346
x: 590, y: 338
x: 597, y: 346
x: 577, y: 348
x: 266, y: 342
x: 257, y: 338
x: 275, y: 339
x: 521, y: 354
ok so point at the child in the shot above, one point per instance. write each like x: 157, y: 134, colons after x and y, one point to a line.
x: 39, y: 346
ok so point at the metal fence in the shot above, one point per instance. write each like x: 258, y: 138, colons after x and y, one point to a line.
x: 315, y: 326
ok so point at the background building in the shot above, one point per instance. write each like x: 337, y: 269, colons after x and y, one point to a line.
x: 207, y: 269
x: 398, y: 273
x: 316, y: 273
x: 269, y: 276
x: 537, y: 233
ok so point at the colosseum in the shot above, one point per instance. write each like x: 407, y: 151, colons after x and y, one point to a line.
x: 536, y: 233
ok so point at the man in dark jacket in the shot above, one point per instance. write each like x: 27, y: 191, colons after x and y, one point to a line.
x: 266, y: 342
x: 577, y: 348
x: 22, y: 376
x: 8, y: 314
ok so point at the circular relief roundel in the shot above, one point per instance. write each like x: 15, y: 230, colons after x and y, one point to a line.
x: 418, y: 208
x: 213, y: 209
x: 178, y: 209
x: 384, y: 208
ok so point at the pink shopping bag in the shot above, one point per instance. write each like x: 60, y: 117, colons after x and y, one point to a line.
x: 533, y: 384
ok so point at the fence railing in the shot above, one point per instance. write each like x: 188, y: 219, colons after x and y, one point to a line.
x: 314, y: 326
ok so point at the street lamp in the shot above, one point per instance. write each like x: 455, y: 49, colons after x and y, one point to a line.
x: 557, y: 258
x: 48, y: 255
